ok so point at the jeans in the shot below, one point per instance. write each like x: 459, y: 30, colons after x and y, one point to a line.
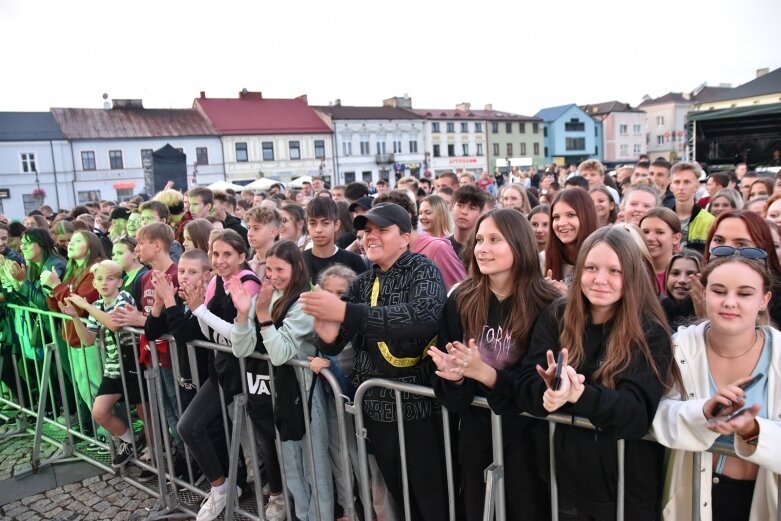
x: 170, y: 405
x: 296, y: 462
x: 192, y: 428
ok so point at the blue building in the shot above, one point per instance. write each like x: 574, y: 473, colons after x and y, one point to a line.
x: 570, y: 134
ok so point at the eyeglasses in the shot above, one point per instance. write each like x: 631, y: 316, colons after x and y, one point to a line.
x: 748, y: 253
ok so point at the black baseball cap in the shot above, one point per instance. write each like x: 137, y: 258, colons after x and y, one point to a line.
x: 119, y: 213
x: 364, y: 202
x: 384, y: 215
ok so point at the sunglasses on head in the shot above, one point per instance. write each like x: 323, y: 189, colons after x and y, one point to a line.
x: 749, y: 253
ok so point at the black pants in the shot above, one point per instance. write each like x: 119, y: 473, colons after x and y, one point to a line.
x: 425, y: 465
x: 262, y: 417
x: 731, y: 498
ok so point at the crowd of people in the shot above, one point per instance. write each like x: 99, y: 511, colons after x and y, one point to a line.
x: 627, y: 298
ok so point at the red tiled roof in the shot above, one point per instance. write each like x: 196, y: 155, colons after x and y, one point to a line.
x: 253, y: 114
x: 131, y: 123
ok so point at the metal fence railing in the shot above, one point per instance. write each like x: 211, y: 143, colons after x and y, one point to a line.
x: 48, y: 389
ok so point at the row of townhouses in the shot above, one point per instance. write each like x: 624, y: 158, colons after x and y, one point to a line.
x: 69, y: 156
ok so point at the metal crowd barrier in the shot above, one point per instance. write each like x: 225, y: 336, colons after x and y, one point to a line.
x: 41, y: 380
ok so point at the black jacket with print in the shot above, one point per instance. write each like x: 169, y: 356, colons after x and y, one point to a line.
x: 390, y: 339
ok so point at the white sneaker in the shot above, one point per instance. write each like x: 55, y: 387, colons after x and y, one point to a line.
x: 275, y: 509
x: 212, y: 506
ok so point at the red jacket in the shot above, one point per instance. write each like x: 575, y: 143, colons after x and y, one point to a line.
x: 84, y: 288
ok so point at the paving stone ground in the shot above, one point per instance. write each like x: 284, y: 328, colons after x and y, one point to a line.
x: 99, y: 497
x: 104, y: 496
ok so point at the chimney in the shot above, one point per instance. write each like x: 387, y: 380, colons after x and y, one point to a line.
x: 489, y: 107
x: 203, y: 94
x: 337, y: 102
x: 249, y: 95
x: 463, y: 106
x: 399, y: 102
x: 127, y: 103
x: 761, y: 72
x: 304, y: 98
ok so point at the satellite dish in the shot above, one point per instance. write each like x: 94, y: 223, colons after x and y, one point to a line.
x: 105, y: 95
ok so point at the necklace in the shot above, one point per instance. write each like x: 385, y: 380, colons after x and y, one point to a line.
x: 744, y: 353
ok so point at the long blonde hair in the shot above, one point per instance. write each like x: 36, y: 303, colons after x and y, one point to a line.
x: 442, y: 225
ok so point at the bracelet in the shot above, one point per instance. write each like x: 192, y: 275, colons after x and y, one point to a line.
x: 266, y: 323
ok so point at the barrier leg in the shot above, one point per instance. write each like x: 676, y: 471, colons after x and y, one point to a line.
x: 403, y: 454
x: 696, y: 485
x: 492, y: 483
x: 554, y: 489
x: 363, y: 458
x: 21, y: 418
x: 451, y: 495
x: 65, y: 454
x: 621, y: 481
x: 239, y: 414
x: 497, y: 474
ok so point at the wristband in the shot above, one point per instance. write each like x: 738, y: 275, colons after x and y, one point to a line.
x: 266, y: 323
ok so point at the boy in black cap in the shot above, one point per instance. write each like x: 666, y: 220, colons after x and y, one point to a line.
x: 391, y: 315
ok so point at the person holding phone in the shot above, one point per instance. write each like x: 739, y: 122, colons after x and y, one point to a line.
x: 616, y: 366
x: 723, y: 362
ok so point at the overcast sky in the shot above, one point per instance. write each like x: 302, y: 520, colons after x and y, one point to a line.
x: 519, y: 55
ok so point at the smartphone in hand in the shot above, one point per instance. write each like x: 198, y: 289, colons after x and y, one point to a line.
x: 557, y: 376
x: 745, y: 387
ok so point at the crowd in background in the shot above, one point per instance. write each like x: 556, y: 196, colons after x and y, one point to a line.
x: 643, y: 299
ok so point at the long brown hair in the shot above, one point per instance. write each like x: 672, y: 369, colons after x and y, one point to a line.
x: 584, y: 208
x: 95, y: 253
x: 530, y: 294
x: 627, y: 337
x: 299, y: 279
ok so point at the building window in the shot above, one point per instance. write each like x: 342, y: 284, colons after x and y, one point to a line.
x: 320, y: 148
x: 545, y: 132
x: 478, y: 127
x: 397, y: 146
x: 575, y: 143
x: 496, y: 149
x: 294, y: 147
x: 28, y: 162
x: 413, y: 146
x: 479, y: 151
x: 349, y: 177
x: 546, y: 151
x: 522, y: 127
x: 89, y: 196
x: 465, y: 149
x: 366, y: 176
x: 241, y: 153
x: 380, y: 147
x: 494, y: 128
x: 115, y: 159
x: 637, y: 129
x: 451, y: 127
x: 508, y: 128
x: 88, y: 160
x: 451, y: 150
x: 365, y: 151
x: 623, y: 150
x: 268, y: 150
x: 202, y: 155
x: 509, y: 150
x: 435, y: 127
x: 535, y: 128
x: 464, y: 127
x: 660, y: 140
x: 124, y: 194
x: 659, y: 121
x: 637, y: 150
x: 436, y: 151
x: 347, y: 149
x: 623, y: 129
x: 537, y: 149
x: 523, y: 149
x: 574, y: 125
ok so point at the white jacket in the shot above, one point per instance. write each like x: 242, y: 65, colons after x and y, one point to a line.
x: 681, y: 425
